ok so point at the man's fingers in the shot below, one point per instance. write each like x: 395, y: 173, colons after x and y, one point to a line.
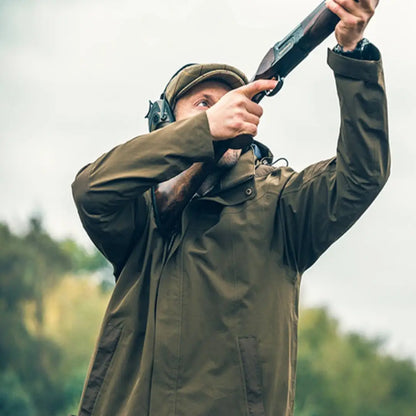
x: 351, y: 6
x: 252, y: 119
x: 372, y: 4
x: 235, y: 114
x: 337, y: 9
x: 369, y: 5
x: 345, y: 5
x: 342, y: 8
x: 254, y: 108
x: 249, y: 128
x: 250, y: 90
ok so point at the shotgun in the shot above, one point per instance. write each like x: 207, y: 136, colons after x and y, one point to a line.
x: 171, y: 197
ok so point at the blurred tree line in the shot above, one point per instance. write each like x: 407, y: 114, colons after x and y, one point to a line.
x: 52, y: 298
x: 49, y: 317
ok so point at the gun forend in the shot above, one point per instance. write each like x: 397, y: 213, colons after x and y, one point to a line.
x: 285, y: 55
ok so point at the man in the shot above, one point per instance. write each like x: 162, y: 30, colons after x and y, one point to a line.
x: 203, y: 317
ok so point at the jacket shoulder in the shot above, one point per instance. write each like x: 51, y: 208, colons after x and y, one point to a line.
x: 272, y: 178
x: 280, y: 172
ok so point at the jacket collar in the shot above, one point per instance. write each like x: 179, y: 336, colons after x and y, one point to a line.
x: 240, y: 173
x: 237, y: 184
x: 244, y: 170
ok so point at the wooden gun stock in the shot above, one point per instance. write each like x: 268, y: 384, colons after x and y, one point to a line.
x: 172, y: 196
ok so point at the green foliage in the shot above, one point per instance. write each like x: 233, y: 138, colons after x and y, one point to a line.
x: 81, y: 259
x: 14, y: 400
x: 74, y: 310
x: 29, y: 265
x: 50, y: 313
x: 32, y: 265
x: 347, y: 375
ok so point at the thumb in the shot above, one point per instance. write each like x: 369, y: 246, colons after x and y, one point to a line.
x: 253, y: 88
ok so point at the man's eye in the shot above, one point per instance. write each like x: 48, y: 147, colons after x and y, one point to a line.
x: 202, y: 103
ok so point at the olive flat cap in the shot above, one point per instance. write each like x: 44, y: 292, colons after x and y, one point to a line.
x: 193, y: 74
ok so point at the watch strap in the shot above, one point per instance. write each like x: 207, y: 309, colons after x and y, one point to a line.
x: 364, y: 50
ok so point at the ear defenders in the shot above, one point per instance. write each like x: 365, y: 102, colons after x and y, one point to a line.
x: 160, y: 112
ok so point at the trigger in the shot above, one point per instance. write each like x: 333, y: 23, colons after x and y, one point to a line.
x: 277, y: 88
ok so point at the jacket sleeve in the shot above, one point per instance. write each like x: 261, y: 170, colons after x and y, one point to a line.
x: 109, y: 193
x: 322, y: 202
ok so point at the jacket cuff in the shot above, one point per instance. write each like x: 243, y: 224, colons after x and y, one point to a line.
x: 192, y: 137
x: 205, y: 139
x: 355, y: 68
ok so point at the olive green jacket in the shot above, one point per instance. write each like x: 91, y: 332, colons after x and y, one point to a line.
x: 205, y: 323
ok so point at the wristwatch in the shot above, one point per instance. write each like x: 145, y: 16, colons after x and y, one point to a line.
x: 364, y: 50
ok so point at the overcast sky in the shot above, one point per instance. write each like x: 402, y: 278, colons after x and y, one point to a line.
x: 75, y: 80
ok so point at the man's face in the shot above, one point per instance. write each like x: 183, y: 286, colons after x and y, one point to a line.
x: 199, y: 98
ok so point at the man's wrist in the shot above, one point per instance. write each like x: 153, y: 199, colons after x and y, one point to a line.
x: 364, y: 50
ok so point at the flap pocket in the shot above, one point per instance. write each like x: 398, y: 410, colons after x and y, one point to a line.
x: 105, y: 351
x: 252, y: 375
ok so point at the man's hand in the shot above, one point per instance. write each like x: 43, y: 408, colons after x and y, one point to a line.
x: 235, y: 113
x: 354, y: 15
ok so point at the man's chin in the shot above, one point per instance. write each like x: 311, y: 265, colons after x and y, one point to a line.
x: 229, y: 159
